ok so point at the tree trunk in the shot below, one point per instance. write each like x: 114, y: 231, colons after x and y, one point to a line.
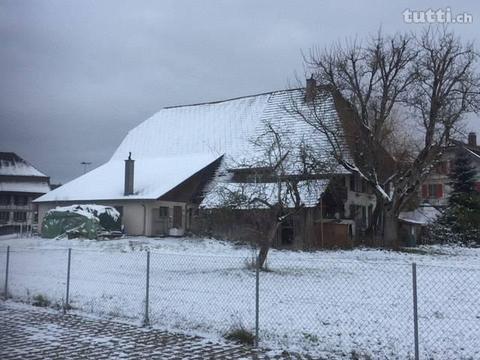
x: 267, y: 243
x: 390, y: 230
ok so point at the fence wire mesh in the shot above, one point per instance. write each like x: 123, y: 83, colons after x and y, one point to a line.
x: 32, y: 278
x: 307, y: 304
x: 334, y: 305
x: 108, y: 283
x: 449, y: 312
x: 202, y: 292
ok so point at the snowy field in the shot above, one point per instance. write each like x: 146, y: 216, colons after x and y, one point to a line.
x: 326, y: 303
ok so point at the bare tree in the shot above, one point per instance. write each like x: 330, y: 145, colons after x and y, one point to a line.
x: 278, y: 178
x: 431, y: 76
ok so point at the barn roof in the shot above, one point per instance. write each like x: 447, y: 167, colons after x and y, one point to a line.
x: 153, y: 178
x: 196, y: 135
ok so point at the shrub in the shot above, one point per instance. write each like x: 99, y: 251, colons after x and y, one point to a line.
x: 240, y: 335
x: 40, y: 301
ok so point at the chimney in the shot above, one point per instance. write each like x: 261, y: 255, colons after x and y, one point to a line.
x: 129, y: 172
x: 311, y: 89
x: 472, y: 139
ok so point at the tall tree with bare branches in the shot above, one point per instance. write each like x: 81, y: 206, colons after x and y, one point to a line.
x: 431, y: 76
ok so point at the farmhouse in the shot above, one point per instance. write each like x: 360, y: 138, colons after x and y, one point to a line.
x: 20, y: 183
x: 163, y: 176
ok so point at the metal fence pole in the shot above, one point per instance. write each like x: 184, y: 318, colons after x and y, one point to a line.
x: 5, y: 294
x: 257, y: 299
x: 415, y: 309
x: 146, y: 321
x: 67, y: 295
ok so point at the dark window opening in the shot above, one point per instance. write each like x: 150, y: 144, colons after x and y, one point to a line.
x: 20, y: 216
x: 4, y: 199
x: 287, y: 233
x: 163, y: 211
x: 21, y: 200
x: 4, y: 216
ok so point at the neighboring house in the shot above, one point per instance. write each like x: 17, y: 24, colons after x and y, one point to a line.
x: 436, y: 188
x: 413, y: 223
x: 168, y: 165
x: 20, y: 183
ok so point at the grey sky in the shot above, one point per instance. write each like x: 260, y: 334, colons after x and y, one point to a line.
x: 77, y: 75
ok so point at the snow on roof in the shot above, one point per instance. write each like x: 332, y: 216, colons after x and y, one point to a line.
x: 13, y: 165
x: 218, y: 128
x: 196, y: 135
x: 226, y: 127
x: 475, y: 155
x: 153, y: 178
x: 424, y: 215
x: 40, y: 187
x: 243, y: 195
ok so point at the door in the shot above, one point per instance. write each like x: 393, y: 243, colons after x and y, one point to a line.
x: 177, y: 217
x: 160, y: 221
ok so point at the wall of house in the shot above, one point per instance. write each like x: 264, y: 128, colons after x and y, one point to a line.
x: 153, y: 228
x: 436, y: 188
x: 360, y: 203
x: 16, y: 211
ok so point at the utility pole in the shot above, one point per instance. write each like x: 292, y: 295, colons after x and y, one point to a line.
x: 85, y: 166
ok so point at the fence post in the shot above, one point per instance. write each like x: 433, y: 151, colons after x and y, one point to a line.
x: 66, y: 306
x: 257, y: 299
x: 5, y: 294
x: 146, y: 320
x: 415, y: 309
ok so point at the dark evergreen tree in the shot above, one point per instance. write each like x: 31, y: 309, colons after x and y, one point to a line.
x: 463, y: 213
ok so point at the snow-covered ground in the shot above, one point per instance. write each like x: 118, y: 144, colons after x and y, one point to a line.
x: 325, y: 303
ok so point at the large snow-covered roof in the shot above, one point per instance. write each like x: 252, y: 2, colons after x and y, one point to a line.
x: 197, y: 135
x: 227, y: 127
x: 13, y: 165
x: 153, y: 178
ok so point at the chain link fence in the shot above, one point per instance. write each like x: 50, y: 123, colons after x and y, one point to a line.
x: 348, y: 308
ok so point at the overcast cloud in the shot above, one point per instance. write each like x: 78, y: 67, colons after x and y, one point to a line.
x: 77, y: 75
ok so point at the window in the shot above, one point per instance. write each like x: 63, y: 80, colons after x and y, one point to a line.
x: 4, y: 217
x: 442, y: 168
x: 20, y: 200
x: 20, y: 216
x: 364, y: 217
x: 432, y: 191
x: 4, y: 199
x: 287, y: 232
x: 352, y: 182
x: 363, y: 186
x: 163, y: 211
